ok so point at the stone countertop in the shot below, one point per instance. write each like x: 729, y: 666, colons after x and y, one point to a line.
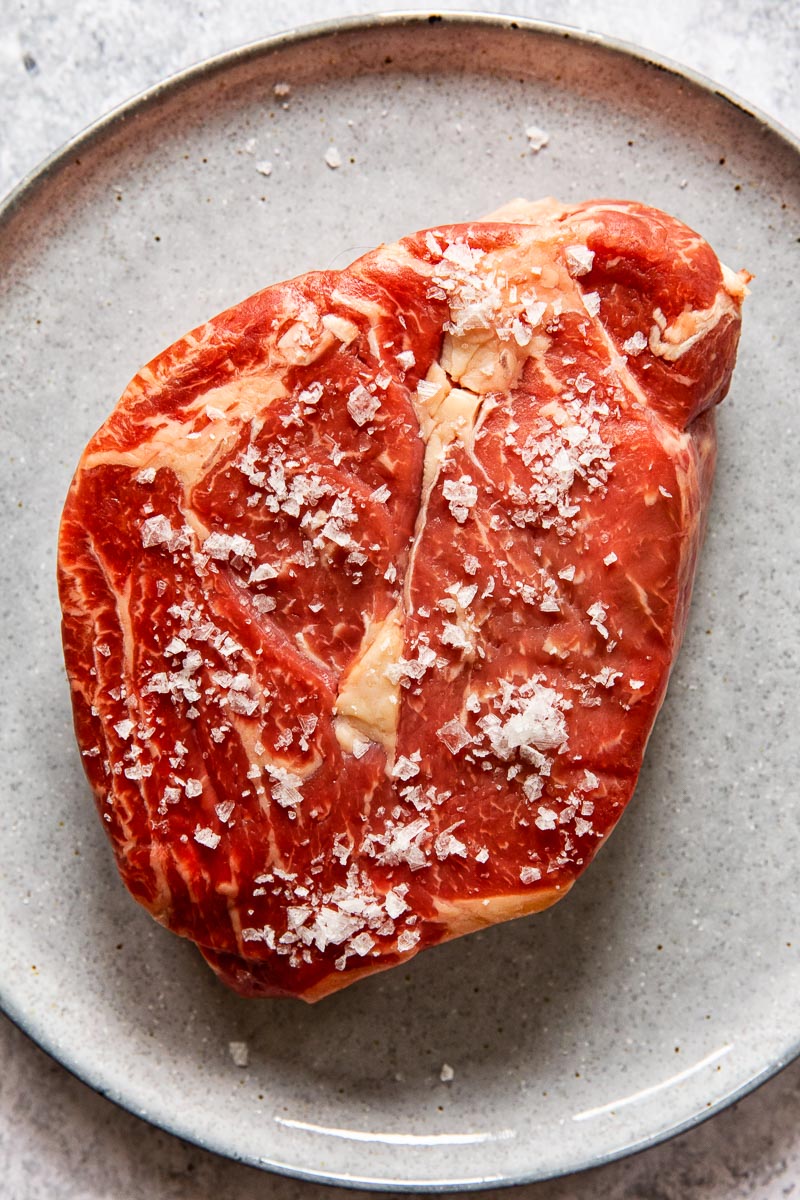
x: 61, y: 66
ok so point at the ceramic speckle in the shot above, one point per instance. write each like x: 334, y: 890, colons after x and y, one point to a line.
x: 668, y: 980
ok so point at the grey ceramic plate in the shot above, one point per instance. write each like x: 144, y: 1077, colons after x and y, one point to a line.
x: 667, y: 983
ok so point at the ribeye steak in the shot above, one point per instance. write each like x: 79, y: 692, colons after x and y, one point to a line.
x: 372, y: 584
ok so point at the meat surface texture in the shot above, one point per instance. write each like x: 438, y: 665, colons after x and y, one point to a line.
x: 372, y: 585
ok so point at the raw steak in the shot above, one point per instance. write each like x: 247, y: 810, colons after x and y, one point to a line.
x: 372, y: 584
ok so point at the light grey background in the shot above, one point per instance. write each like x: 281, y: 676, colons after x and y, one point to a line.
x: 60, y: 67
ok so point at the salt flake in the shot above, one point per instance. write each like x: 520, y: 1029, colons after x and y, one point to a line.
x: 206, y: 837
x: 579, y: 260
x: 454, y: 736
x: 462, y: 495
x: 537, y: 138
x: 635, y: 344
x: 362, y: 405
x: 240, y: 1053
x: 407, y: 940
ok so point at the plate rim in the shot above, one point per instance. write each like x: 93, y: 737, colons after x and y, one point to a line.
x: 174, y: 83
x: 106, y: 125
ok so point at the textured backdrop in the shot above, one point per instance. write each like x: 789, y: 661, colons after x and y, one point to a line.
x: 61, y: 66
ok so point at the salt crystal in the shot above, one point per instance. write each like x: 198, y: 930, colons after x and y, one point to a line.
x: 360, y: 747
x: 579, y: 259
x: 394, y: 903
x: 432, y: 244
x: 453, y: 635
x: 262, y: 573
x: 534, y: 312
x: 206, y: 837
x: 461, y: 495
x: 222, y: 546
x: 610, y: 558
x: 362, y: 405
x: 454, y: 736
x: 239, y: 1052
x: 635, y: 344
x: 264, y: 168
x: 607, y: 677
x: 138, y: 771
x: 598, y: 612
x: 533, y: 787
x: 530, y: 874
x: 463, y: 255
x: 157, y: 531
x: 447, y: 1074
x: 546, y: 819
x: 405, y: 768
x: 406, y: 359
x: 362, y: 944
x: 446, y: 844
x: 265, y: 604
x: 333, y: 158
x: 286, y: 786
x: 537, y: 138
x: 239, y: 703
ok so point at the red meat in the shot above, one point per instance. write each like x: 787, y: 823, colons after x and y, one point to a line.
x: 372, y: 585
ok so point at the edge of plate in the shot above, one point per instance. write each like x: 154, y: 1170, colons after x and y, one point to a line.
x: 105, y: 125
x: 145, y: 99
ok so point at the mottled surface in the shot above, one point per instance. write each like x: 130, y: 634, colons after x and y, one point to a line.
x: 57, y: 1136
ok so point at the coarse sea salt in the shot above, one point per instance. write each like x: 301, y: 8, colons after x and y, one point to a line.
x: 537, y: 138
x: 240, y: 1053
x: 206, y: 837
x: 579, y: 260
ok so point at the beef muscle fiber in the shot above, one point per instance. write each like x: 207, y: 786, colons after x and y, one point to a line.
x: 372, y: 584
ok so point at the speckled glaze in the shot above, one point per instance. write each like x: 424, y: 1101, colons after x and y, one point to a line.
x: 667, y: 982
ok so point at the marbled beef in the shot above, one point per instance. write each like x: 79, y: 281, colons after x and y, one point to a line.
x: 372, y: 584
